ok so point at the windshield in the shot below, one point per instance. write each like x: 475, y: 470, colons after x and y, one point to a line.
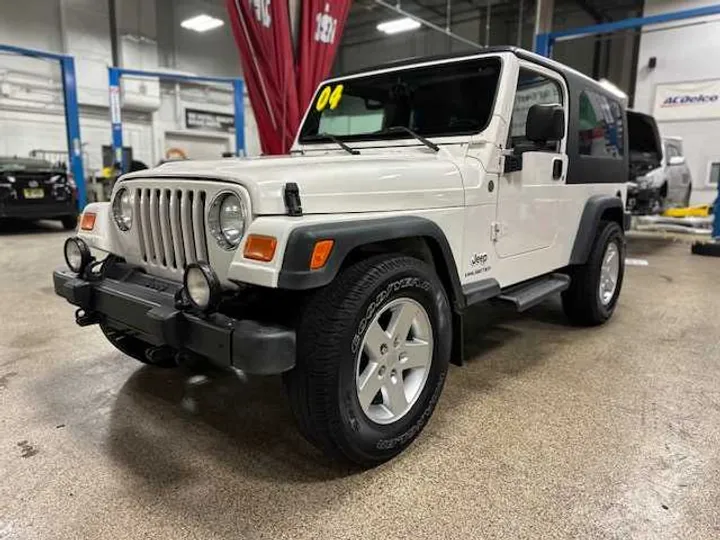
x: 455, y: 98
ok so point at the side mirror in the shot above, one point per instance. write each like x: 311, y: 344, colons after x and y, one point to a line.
x: 545, y: 123
x: 676, y: 160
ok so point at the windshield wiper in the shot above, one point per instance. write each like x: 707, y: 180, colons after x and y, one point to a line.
x: 333, y: 138
x: 403, y: 129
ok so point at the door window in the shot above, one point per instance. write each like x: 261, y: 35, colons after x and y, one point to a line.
x: 532, y: 89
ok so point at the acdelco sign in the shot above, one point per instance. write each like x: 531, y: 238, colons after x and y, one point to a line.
x: 689, y: 99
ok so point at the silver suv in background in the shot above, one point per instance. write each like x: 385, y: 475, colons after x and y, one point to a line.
x: 659, y: 182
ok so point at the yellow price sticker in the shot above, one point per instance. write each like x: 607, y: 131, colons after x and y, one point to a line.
x: 329, y: 96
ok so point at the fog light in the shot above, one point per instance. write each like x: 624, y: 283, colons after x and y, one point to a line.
x: 77, y: 254
x: 202, y: 286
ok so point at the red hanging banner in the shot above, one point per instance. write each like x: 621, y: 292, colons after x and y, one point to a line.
x: 263, y: 35
x: 262, y: 32
x: 322, y: 26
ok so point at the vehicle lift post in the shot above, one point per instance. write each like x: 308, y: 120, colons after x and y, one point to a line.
x: 72, y: 112
x: 115, y: 75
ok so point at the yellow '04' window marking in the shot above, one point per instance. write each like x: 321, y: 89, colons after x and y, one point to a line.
x: 329, y: 96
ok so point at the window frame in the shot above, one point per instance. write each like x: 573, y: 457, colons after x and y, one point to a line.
x: 368, y: 141
x: 565, y: 94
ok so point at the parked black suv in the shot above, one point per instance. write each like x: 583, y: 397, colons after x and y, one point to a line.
x: 37, y: 189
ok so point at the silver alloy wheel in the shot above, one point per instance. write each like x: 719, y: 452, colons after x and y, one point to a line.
x: 609, y: 273
x: 393, y: 362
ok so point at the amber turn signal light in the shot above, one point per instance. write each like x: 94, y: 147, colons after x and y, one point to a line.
x: 321, y: 253
x: 87, y: 223
x: 260, y: 248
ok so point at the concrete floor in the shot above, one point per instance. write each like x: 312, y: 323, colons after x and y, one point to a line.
x: 548, y: 432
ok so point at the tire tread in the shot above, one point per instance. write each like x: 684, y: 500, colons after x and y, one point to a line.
x: 328, y: 317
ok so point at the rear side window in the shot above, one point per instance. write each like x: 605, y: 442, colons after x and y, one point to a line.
x: 600, y: 126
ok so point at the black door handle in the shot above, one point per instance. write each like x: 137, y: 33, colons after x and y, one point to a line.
x: 557, y: 169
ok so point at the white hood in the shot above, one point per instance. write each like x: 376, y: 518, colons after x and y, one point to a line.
x: 333, y: 183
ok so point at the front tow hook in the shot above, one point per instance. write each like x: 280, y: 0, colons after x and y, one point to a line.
x: 83, y: 318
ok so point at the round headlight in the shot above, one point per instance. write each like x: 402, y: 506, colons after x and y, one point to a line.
x: 77, y: 254
x: 122, y: 209
x: 227, y: 220
x: 202, y: 286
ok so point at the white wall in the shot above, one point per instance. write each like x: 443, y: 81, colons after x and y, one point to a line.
x: 688, y: 52
x: 31, y: 106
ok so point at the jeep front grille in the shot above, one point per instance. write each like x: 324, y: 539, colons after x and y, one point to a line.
x: 171, y: 226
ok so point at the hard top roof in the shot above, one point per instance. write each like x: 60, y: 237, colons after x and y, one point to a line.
x: 517, y: 51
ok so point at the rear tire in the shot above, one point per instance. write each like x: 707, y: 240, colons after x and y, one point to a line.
x: 345, y: 347
x: 591, y: 300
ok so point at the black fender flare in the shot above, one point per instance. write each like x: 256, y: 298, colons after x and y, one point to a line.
x: 295, y: 273
x: 595, y: 207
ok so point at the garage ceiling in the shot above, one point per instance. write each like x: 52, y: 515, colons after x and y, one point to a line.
x: 366, y: 14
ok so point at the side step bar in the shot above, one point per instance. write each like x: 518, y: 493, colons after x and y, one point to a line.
x: 527, y: 295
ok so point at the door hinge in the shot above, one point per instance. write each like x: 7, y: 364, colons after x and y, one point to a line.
x: 495, y: 230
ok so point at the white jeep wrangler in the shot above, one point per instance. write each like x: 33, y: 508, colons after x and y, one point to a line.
x: 413, y: 191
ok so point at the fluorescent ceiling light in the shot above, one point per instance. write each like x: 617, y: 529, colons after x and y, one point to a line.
x: 398, y: 25
x: 201, y: 23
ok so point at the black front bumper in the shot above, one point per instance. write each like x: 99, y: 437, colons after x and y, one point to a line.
x: 144, y: 307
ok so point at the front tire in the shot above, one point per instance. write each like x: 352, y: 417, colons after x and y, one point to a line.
x: 373, y: 354
x: 595, y: 286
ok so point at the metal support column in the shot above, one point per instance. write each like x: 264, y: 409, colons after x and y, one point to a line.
x: 521, y: 7
x: 239, y: 101
x: 114, y: 75
x: 72, y: 128
x: 488, y: 14
x: 543, y: 17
